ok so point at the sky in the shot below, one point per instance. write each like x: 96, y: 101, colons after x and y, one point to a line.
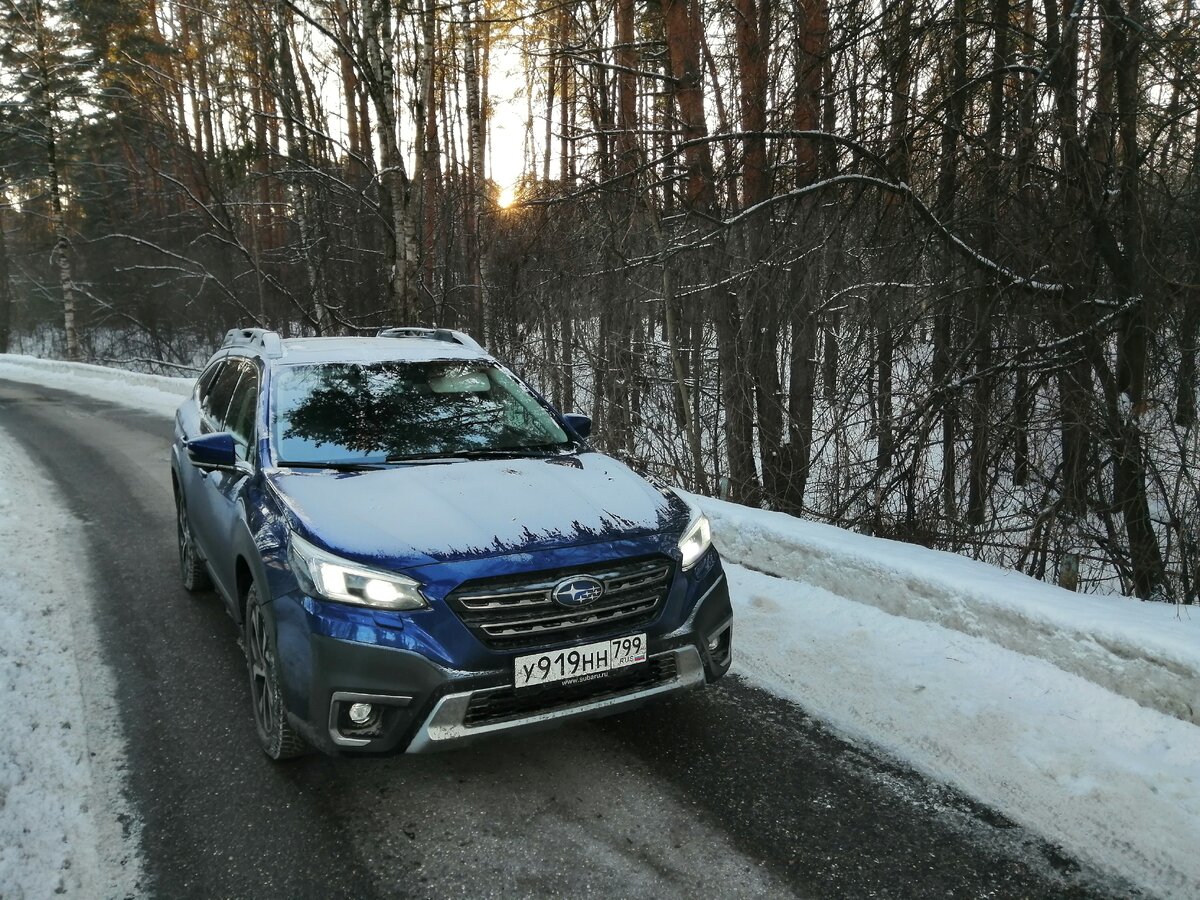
x: 506, y: 159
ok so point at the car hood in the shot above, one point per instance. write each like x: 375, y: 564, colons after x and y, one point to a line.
x: 412, y: 515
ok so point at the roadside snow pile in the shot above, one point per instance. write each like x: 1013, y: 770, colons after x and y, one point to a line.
x: 153, y: 393
x: 1073, y: 715
x: 1148, y: 652
x: 1114, y: 783
x: 64, y: 826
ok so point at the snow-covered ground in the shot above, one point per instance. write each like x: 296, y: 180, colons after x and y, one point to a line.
x: 1076, y: 716
x: 1148, y: 652
x: 1115, y: 783
x: 64, y: 826
x: 153, y: 393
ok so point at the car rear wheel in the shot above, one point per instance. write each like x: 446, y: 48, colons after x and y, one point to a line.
x: 276, y: 736
x: 192, y: 570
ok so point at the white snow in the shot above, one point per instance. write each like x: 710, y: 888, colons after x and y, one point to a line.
x: 1116, y: 784
x: 1073, y: 715
x: 1149, y: 652
x: 64, y: 826
x: 152, y: 393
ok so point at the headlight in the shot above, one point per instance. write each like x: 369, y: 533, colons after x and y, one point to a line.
x: 696, y: 540
x: 334, y: 578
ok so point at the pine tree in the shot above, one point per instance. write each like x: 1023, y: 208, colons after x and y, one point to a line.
x: 44, y: 77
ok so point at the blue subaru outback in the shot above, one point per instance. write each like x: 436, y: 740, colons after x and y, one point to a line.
x: 420, y: 551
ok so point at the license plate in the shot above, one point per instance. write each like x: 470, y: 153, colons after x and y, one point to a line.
x: 580, y: 663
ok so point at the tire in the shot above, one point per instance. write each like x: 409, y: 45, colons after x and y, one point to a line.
x: 275, y: 735
x: 192, y: 571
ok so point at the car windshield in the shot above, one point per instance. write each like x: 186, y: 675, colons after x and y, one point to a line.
x: 363, y: 413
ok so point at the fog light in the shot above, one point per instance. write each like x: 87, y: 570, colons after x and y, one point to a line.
x: 360, y: 713
x: 713, y: 644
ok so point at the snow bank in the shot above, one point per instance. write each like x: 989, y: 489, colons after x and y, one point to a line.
x: 1148, y: 652
x: 64, y: 826
x: 153, y: 393
x: 1114, y: 783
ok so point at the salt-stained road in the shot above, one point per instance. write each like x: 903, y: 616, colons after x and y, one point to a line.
x: 726, y: 792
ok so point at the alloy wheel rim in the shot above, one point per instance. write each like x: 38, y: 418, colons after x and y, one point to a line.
x: 185, y: 544
x: 260, y: 686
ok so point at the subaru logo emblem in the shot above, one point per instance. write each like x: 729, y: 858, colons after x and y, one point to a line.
x: 578, y: 590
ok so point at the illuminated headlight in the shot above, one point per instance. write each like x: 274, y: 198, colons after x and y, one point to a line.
x: 324, y: 575
x: 696, y: 540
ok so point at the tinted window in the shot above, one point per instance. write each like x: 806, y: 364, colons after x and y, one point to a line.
x: 215, y: 403
x: 242, y: 408
x: 204, y: 382
x: 349, y: 412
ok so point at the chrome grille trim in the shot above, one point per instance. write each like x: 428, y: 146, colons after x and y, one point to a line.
x: 508, y: 614
x: 494, y: 603
x: 532, y: 626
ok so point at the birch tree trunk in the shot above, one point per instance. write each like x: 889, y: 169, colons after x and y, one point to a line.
x: 5, y: 284
x: 312, y: 247
x: 400, y: 195
x: 62, y: 244
x: 475, y: 182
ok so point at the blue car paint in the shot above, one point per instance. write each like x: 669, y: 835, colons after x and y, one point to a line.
x: 437, y: 633
x: 245, y: 519
x: 407, y: 516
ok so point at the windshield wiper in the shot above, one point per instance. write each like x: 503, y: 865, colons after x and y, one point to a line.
x: 479, y: 453
x: 338, y: 466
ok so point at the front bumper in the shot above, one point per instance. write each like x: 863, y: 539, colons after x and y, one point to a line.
x: 421, y: 706
x: 450, y: 723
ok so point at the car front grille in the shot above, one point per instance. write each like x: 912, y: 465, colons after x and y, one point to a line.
x: 517, y: 612
x: 505, y: 704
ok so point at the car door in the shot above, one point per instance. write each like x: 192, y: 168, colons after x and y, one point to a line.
x: 188, y: 420
x: 203, y: 416
x: 204, y: 505
x: 224, y: 489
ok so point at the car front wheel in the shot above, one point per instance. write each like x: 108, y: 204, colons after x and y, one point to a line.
x: 192, y: 570
x: 276, y: 736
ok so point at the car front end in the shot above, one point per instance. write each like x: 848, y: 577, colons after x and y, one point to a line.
x: 371, y: 679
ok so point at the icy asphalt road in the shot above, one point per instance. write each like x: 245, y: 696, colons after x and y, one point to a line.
x: 726, y: 792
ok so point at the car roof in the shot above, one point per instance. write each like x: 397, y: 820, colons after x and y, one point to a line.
x: 300, y: 351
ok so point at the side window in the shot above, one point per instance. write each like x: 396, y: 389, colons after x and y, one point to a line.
x: 206, y: 379
x: 240, y: 420
x: 215, y: 404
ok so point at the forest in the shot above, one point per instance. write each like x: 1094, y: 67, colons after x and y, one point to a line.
x: 925, y: 269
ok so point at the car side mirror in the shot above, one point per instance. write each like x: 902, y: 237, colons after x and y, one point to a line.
x: 213, y: 451
x: 579, y: 423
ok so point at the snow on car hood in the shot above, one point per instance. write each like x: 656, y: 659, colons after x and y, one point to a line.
x: 411, y: 515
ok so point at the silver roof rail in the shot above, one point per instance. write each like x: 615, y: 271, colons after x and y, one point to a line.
x: 432, y: 334
x: 268, y: 341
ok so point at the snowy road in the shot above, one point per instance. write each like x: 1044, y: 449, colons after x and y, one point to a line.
x: 726, y: 792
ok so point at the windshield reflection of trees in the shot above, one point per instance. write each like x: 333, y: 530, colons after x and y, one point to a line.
x: 391, y: 410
